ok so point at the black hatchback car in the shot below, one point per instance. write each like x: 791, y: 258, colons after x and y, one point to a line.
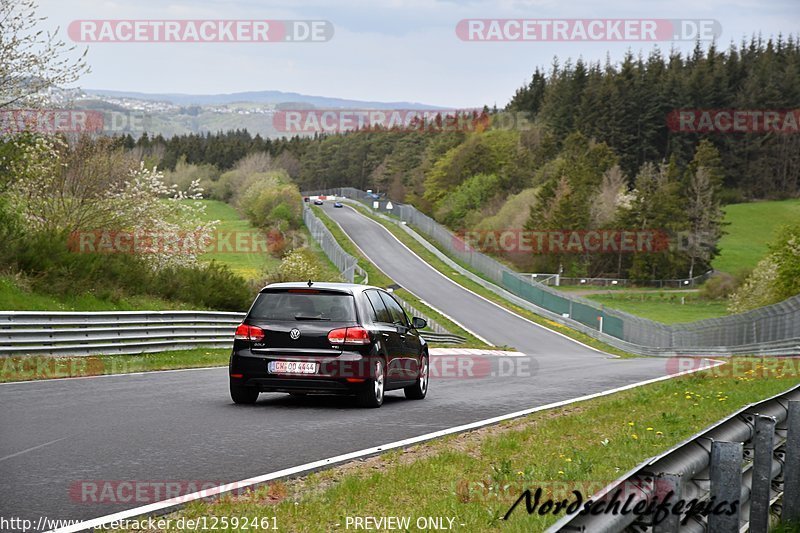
x: 333, y: 338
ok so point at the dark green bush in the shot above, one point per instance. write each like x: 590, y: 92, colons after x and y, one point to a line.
x: 720, y: 286
x: 212, y: 285
x: 52, y: 267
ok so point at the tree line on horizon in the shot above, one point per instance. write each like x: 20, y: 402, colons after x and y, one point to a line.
x: 595, y: 150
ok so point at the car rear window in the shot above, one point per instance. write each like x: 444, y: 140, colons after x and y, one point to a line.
x: 302, y: 304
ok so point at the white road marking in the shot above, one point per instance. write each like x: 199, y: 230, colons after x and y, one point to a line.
x: 126, y: 374
x: 253, y: 481
x: 474, y: 352
x: 31, y: 449
x: 451, y: 319
x: 478, y: 295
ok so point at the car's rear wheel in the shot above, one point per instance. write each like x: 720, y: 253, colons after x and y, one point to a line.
x: 371, y: 395
x: 419, y: 389
x: 243, y: 395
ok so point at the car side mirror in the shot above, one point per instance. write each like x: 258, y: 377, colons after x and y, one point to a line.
x: 419, y: 323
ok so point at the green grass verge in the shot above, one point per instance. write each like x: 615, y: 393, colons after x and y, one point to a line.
x: 15, y: 296
x: 475, y: 477
x: 32, y: 367
x: 378, y: 278
x: 248, y: 265
x: 663, y: 306
x: 477, y: 288
x: 751, y: 226
x: 578, y: 289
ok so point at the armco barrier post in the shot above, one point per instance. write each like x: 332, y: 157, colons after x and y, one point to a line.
x: 764, y: 447
x: 667, y: 483
x: 791, y: 465
x: 726, y: 483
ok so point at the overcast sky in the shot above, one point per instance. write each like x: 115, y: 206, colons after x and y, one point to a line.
x: 385, y: 50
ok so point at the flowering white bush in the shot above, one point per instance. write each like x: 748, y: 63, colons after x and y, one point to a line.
x: 775, y: 278
x: 167, y: 225
x: 298, y: 266
x: 174, y: 229
x: 757, y: 290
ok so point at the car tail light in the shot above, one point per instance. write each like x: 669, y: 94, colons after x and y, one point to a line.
x: 349, y: 336
x: 249, y: 333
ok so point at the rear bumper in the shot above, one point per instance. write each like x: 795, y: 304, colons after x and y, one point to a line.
x: 344, y: 374
x: 287, y: 384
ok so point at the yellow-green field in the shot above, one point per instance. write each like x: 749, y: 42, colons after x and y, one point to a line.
x: 248, y: 265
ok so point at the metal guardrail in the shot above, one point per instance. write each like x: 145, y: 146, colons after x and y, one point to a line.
x: 345, y: 262
x: 50, y: 333
x: 120, y: 332
x: 127, y: 332
x: 751, y: 457
x: 771, y: 330
x: 348, y: 265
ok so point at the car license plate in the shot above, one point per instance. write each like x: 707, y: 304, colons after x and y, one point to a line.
x: 291, y: 367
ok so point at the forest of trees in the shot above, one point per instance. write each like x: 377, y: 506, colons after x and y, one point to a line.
x: 595, y: 151
x: 627, y: 105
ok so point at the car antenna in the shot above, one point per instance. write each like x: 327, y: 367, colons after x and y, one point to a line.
x: 310, y: 283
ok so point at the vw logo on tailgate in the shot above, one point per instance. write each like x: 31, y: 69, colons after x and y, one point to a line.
x: 294, y: 334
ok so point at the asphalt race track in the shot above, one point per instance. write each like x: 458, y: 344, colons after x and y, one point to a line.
x: 182, y: 426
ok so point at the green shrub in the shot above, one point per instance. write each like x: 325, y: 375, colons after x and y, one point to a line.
x: 468, y: 198
x: 213, y: 286
x: 271, y: 202
x: 53, y: 268
x: 719, y: 286
x: 775, y: 278
x: 299, y: 265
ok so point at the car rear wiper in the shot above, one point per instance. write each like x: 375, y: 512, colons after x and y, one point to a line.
x: 303, y: 317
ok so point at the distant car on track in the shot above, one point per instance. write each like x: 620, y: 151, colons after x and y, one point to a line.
x: 337, y: 204
x: 318, y: 202
x: 306, y: 199
x: 332, y: 338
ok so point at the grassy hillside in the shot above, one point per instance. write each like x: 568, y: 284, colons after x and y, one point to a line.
x: 247, y: 265
x: 663, y: 306
x: 750, y: 227
x: 15, y: 296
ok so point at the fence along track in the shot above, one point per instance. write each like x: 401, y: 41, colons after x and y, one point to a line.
x: 348, y: 266
x: 770, y: 330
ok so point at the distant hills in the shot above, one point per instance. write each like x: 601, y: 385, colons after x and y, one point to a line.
x: 171, y: 114
x: 258, y: 97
